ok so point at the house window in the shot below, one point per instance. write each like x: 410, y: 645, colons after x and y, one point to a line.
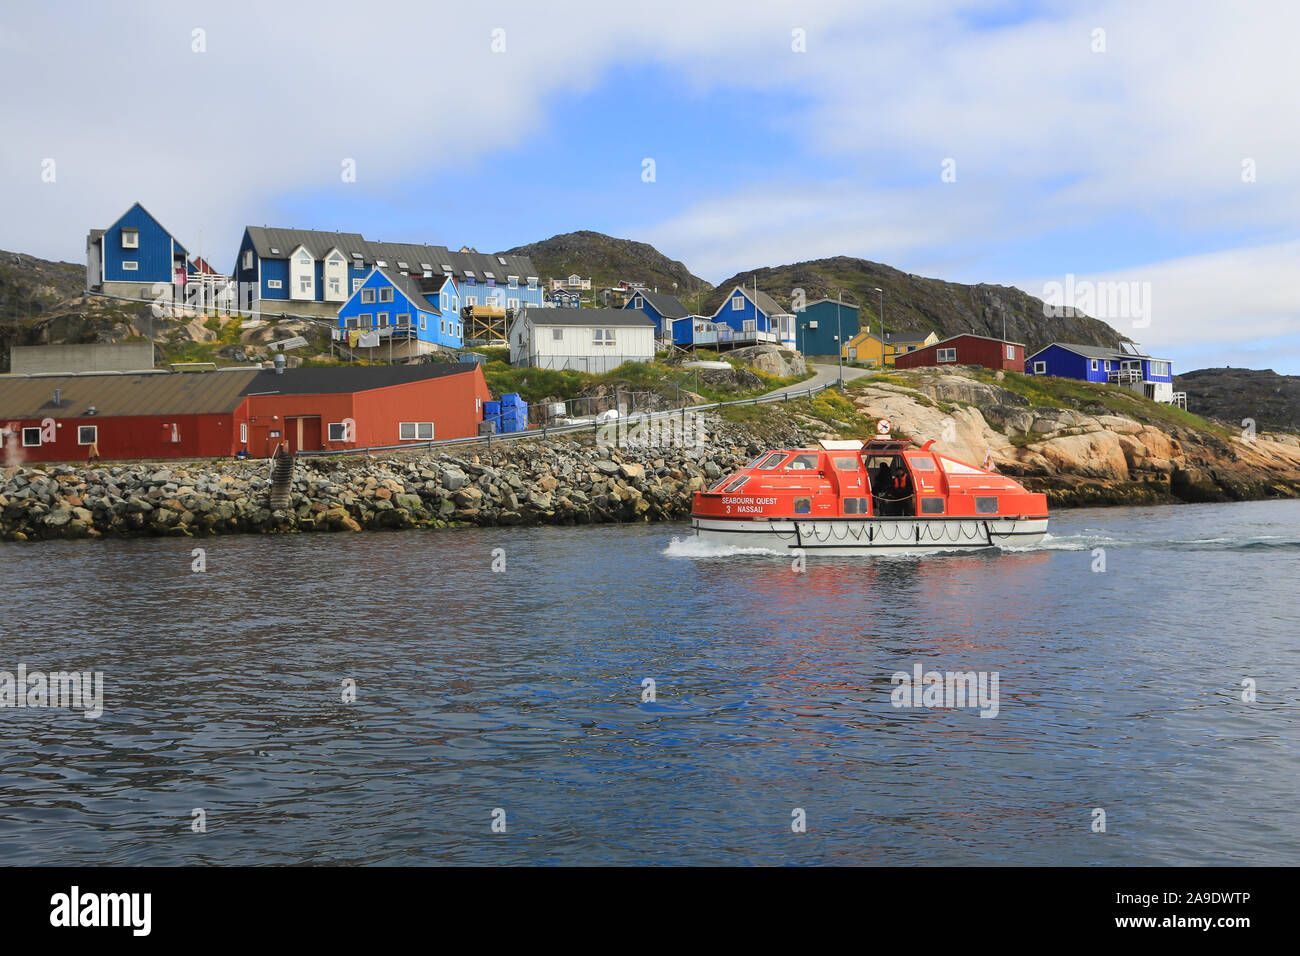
x: 350, y: 323
x: 471, y: 300
x: 737, y: 303
x: 248, y: 258
x: 945, y: 355
x: 336, y: 287
x: 130, y: 265
x: 557, y: 335
x: 383, y: 320
x: 1094, y: 365
x: 415, y: 431
x: 748, y: 325
x: 243, y: 433
x: 603, y: 337
x: 442, y: 301
x: 356, y: 284
x: 338, y: 431
x: 455, y: 303
x: 638, y: 302
x: 532, y: 283
x: 274, y: 284
x: 304, y: 284
x: 31, y: 437
x: 87, y: 434
x: 514, y: 282
x: 442, y: 326
x: 512, y: 304
x: 130, y: 238
x: 367, y: 320
x: 424, y: 322
x: 386, y: 294
x: 404, y: 320
x: 367, y: 296
x: 1011, y: 351
x: 1040, y: 368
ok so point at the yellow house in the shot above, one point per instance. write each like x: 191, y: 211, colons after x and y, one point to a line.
x: 867, y: 348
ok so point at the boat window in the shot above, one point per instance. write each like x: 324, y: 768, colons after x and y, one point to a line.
x: 851, y: 505
x: 986, y: 505
x: 931, y: 506
x: 863, y: 506
x: 718, y: 487
x: 735, y: 485
x: 802, y: 461
x: 921, y: 464
x: 803, y: 506
x: 771, y: 461
x: 847, y: 464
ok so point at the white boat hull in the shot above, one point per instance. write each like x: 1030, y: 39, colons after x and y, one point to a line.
x: 873, y: 535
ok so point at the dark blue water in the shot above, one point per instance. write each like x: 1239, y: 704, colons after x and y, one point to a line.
x: 521, y: 691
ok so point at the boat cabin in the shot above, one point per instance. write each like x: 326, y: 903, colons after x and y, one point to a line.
x: 847, y: 479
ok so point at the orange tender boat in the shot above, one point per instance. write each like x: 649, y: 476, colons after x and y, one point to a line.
x: 887, y: 496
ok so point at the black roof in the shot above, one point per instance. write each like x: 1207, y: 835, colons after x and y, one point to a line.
x: 325, y: 381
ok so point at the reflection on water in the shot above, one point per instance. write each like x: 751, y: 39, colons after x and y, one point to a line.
x: 522, y: 691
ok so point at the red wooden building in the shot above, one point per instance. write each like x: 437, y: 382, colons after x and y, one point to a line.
x: 967, y: 349
x: 154, y: 415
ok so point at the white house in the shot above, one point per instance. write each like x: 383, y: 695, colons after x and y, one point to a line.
x: 585, y: 340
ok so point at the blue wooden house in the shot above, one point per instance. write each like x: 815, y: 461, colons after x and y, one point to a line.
x: 665, y: 309
x: 566, y: 298
x: 132, y: 255
x: 753, y: 317
x: 407, y: 314
x: 1127, y: 365
x: 823, y: 326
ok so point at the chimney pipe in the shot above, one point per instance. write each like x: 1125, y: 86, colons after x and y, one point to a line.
x: 58, y: 397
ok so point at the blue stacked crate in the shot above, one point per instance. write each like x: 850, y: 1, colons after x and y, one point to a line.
x: 492, y: 413
x: 514, y: 413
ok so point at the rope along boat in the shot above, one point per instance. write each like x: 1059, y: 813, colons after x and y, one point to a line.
x: 885, y: 496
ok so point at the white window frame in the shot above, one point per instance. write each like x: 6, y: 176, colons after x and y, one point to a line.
x: 403, y: 320
x: 130, y: 265
x: 386, y: 293
x: 737, y: 303
x: 1011, y: 351
x: 356, y: 283
x: 557, y: 334
x: 130, y: 234
x: 367, y: 321
x: 424, y: 322
x: 1093, y: 367
x: 514, y: 282
x: 243, y: 433
x: 367, y: 296
x: 381, y: 320
x: 1040, y: 368
x: 248, y: 258
x: 945, y: 355
x: 341, y: 433
x: 749, y: 325
x: 420, y: 431
x: 94, y: 429
x: 274, y: 284
x: 32, y: 444
x: 351, y: 322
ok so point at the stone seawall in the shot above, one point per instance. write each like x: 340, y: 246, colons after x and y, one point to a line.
x: 544, y: 481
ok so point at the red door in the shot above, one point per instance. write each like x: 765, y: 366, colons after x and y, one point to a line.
x: 303, y: 434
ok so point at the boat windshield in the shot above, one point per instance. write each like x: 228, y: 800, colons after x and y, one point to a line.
x: 771, y: 461
x: 800, y: 462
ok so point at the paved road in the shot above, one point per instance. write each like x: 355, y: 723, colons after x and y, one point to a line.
x: 824, y: 374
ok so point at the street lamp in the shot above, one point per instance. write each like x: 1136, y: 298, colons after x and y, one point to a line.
x: 839, y: 322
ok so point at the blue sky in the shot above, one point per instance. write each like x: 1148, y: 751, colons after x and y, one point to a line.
x: 1106, y: 144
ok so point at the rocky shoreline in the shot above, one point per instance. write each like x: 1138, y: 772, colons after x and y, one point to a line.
x: 546, y: 481
x: 575, y: 480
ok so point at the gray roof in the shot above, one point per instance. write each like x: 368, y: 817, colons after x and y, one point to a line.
x: 767, y: 304
x: 266, y: 241
x: 666, y: 305
x: 604, y: 318
x: 439, y: 259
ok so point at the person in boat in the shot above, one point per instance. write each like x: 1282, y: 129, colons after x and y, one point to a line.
x: 881, y: 490
x: 902, y: 493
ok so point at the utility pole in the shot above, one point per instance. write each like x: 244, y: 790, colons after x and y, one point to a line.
x: 839, y: 336
x: 882, y: 328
